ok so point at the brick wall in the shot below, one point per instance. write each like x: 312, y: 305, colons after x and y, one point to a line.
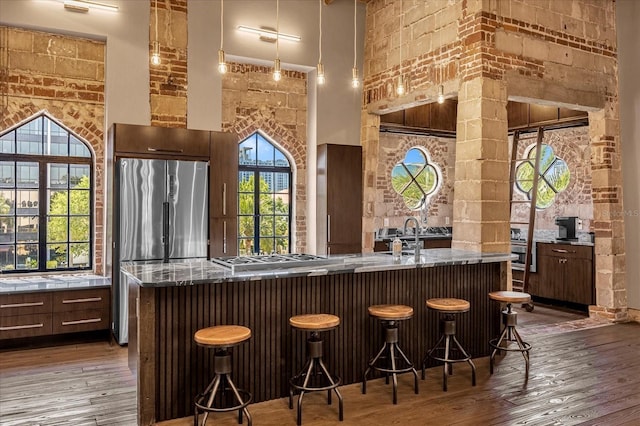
x: 252, y: 101
x: 63, y: 75
x: 168, y: 81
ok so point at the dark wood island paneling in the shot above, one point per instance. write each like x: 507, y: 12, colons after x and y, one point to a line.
x: 172, y: 369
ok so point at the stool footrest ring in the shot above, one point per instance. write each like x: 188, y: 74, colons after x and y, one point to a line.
x: 246, y: 400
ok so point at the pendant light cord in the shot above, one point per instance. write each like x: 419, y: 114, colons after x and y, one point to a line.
x: 320, y: 42
x: 401, y: 22
x: 221, y: 22
x: 277, y: 29
x: 156, y: 19
x: 354, y: 32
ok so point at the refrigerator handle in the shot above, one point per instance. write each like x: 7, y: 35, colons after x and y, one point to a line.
x: 165, y: 230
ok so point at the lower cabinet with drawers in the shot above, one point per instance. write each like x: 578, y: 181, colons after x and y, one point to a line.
x: 54, y: 312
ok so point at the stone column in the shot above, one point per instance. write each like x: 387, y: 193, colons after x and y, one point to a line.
x: 370, y: 139
x: 608, y: 213
x: 481, y: 190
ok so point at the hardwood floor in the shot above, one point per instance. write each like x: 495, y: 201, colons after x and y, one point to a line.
x: 582, y: 372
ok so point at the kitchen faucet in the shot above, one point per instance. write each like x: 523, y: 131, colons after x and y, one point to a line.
x: 415, y: 234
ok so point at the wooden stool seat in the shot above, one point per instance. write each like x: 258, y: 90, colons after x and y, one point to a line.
x: 222, y: 335
x: 314, y: 322
x: 448, y: 305
x: 391, y: 312
x: 510, y: 296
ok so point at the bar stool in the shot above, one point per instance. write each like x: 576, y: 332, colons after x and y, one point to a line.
x: 448, y: 307
x: 509, y: 333
x: 221, y: 338
x: 391, y: 353
x: 314, y: 376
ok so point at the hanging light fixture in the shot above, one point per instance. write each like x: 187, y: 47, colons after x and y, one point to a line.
x: 400, y: 87
x: 277, y: 72
x: 222, y: 64
x: 355, y: 80
x: 441, y: 94
x: 320, y: 77
x: 155, y: 54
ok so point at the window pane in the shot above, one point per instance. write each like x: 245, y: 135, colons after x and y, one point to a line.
x: 57, y: 256
x: 57, y: 229
x: 281, y: 160
x: 79, y: 228
x: 413, y: 196
x: 266, y: 204
x: 282, y: 225
x: 7, y: 174
x: 282, y: 245
x: 58, y: 175
x: 546, y: 195
x: 281, y: 182
x: 282, y: 203
x: 79, y: 176
x: 27, y: 256
x: 58, y: 202
x: 28, y: 175
x: 77, y: 148
x: 266, y: 182
x: 27, y: 229
x: 427, y: 179
x: 558, y: 175
x: 79, y: 203
x: 245, y: 246
x: 247, y: 151
x: 7, y: 202
x: 400, y: 178
x: 7, y: 230
x: 266, y: 152
x: 246, y: 182
x: 7, y: 258
x: 56, y: 139
x: 266, y: 227
x: 7, y: 143
x: 245, y: 227
x: 27, y: 203
x: 524, y: 176
x: 29, y: 137
x: 79, y: 255
x: 245, y: 203
x: 266, y: 245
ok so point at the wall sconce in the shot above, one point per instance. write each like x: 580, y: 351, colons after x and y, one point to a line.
x: 267, y: 34
x: 85, y: 5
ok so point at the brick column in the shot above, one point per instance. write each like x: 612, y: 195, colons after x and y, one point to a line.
x: 481, y: 189
x: 608, y: 213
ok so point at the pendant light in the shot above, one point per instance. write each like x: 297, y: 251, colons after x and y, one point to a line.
x: 222, y: 64
x: 355, y: 80
x: 400, y: 87
x: 441, y: 94
x: 320, y: 77
x: 155, y: 54
x: 277, y: 72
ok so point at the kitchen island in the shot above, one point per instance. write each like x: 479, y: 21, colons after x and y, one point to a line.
x: 169, y: 302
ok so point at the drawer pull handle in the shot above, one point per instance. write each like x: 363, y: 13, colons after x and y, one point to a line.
x: 175, y: 151
x: 21, y: 327
x: 88, y: 299
x: 21, y: 305
x: 84, y: 321
x: 560, y: 250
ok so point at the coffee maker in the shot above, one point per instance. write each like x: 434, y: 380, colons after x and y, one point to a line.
x: 567, y: 228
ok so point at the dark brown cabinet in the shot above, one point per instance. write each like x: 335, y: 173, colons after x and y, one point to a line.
x: 339, y: 191
x: 53, y: 312
x: 565, y: 272
x: 154, y: 141
x: 223, y: 195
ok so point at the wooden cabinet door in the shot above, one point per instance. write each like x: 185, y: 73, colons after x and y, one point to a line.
x: 579, y: 281
x: 224, y: 236
x: 551, y: 277
x: 223, y: 195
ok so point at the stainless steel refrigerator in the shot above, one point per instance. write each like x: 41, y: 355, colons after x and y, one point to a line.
x: 161, y: 214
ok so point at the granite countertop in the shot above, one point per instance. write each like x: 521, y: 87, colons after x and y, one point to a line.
x: 35, y: 283
x: 420, y: 237
x: 199, y: 271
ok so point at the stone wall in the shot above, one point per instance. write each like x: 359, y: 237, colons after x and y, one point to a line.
x: 486, y: 52
x: 64, y: 76
x: 168, y: 81
x: 252, y: 101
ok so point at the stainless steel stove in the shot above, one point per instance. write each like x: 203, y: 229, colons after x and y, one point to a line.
x: 249, y: 263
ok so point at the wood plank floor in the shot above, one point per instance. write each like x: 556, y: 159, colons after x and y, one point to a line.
x: 582, y: 372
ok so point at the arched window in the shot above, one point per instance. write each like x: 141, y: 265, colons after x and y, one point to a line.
x: 46, y: 194
x: 264, y: 197
x: 416, y: 178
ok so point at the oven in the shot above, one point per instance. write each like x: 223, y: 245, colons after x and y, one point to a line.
x: 519, y: 248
